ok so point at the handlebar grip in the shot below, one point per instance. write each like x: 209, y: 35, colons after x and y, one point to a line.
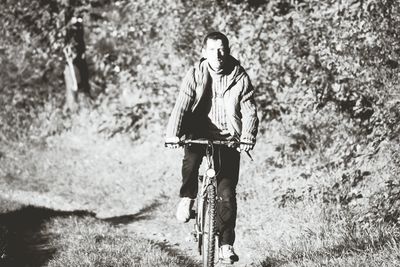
x: 169, y: 143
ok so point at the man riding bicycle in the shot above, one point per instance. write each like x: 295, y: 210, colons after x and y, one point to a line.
x: 215, y: 102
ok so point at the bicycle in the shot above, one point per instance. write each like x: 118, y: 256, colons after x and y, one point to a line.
x: 205, y: 227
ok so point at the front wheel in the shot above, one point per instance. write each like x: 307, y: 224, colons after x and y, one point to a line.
x: 209, y: 228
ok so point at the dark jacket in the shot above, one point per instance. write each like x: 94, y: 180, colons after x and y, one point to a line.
x: 238, y: 102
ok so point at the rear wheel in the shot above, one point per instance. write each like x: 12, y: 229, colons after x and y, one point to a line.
x: 209, y: 228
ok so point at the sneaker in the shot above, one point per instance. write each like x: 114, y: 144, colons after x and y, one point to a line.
x: 184, y: 208
x: 227, y: 254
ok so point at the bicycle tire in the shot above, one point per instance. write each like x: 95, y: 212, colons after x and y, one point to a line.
x: 209, y: 228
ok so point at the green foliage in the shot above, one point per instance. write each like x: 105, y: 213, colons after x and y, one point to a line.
x: 302, y: 55
x: 385, y: 204
x: 346, y: 190
x: 31, y: 76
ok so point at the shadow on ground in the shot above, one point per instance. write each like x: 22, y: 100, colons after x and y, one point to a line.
x: 142, y: 214
x: 25, y: 241
x: 23, y: 237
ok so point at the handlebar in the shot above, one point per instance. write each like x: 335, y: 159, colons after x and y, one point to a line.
x: 209, y: 142
x: 205, y: 142
x: 232, y: 144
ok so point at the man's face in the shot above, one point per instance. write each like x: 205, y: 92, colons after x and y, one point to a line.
x: 215, y: 53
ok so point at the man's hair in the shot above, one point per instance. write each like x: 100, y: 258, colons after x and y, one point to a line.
x: 217, y: 36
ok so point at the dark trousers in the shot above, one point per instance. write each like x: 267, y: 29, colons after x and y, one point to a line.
x: 227, y: 162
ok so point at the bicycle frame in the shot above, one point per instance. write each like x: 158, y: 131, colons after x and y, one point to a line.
x: 205, y: 203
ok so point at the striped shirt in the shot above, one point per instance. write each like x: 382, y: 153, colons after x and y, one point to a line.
x: 217, y: 125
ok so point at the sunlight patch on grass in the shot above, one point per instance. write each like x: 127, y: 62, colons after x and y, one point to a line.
x: 90, y: 242
x: 334, y: 241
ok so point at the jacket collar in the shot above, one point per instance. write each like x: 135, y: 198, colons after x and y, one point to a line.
x: 232, y: 69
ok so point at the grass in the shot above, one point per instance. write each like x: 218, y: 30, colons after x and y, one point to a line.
x: 90, y: 242
x: 339, y: 244
x: 98, y: 202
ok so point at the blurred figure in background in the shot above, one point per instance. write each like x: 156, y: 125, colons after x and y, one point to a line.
x: 215, y: 102
x: 76, y: 73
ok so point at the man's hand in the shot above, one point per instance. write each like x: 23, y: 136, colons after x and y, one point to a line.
x: 246, y: 147
x: 172, y: 142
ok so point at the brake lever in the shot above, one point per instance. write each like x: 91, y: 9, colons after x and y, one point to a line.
x: 248, y: 154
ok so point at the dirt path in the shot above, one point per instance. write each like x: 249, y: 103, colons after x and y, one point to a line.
x: 162, y: 227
